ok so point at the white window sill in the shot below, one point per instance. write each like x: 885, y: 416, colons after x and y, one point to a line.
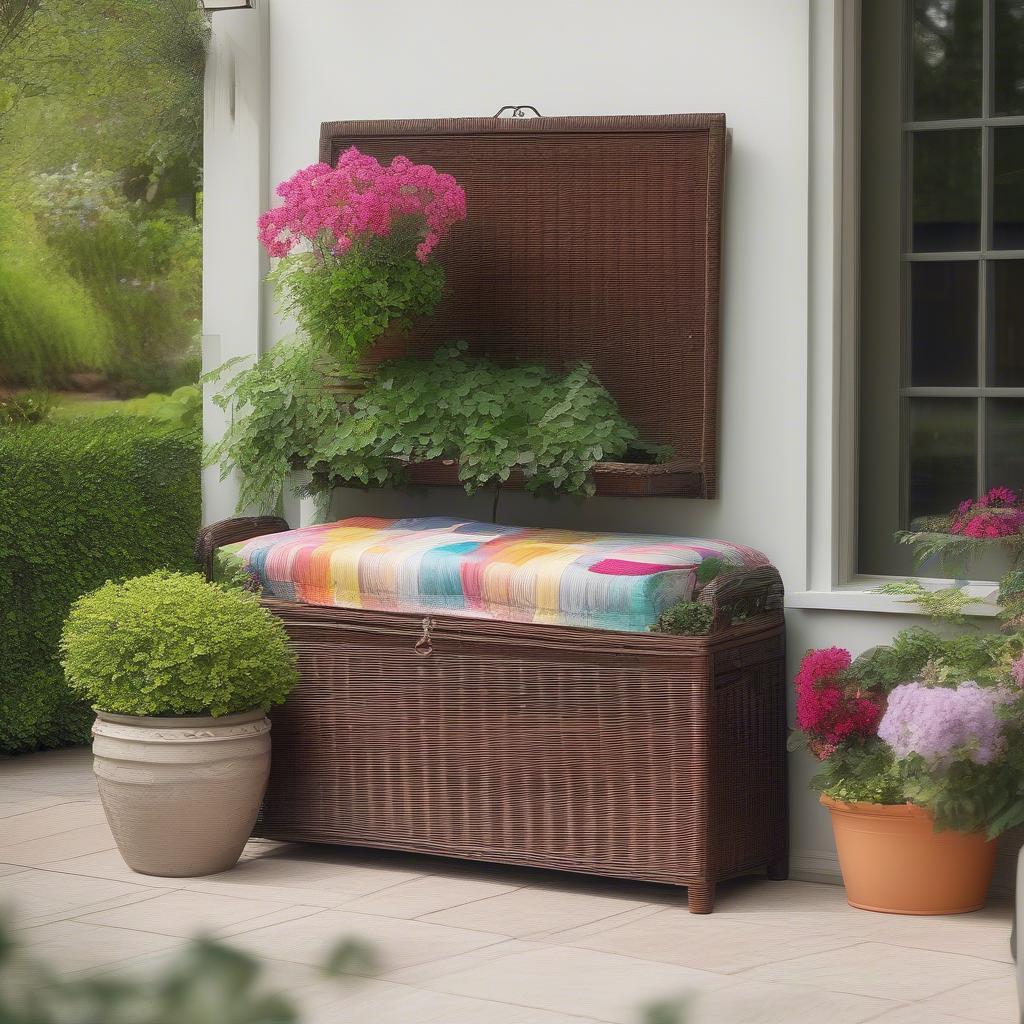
x: 860, y: 597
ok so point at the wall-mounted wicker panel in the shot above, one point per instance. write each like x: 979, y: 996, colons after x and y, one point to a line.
x: 595, y: 238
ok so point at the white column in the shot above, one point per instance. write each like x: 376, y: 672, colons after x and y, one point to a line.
x: 235, y: 192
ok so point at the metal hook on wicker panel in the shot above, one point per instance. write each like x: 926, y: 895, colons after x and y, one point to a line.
x: 519, y: 110
x: 424, y: 646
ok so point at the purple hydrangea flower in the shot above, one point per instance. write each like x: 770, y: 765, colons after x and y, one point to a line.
x: 939, y: 723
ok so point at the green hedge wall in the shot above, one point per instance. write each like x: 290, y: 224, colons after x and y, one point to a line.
x: 80, y: 503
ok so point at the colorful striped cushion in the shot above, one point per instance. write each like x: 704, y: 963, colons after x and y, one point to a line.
x: 481, y: 570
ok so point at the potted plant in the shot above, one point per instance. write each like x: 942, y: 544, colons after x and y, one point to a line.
x: 452, y: 412
x: 354, y: 243
x: 920, y: 764
x: 181, y: 673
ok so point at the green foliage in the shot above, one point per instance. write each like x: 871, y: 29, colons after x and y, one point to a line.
x: 80, y: 503
x: 953, y: 552
x: 281, y: 414
x: 1011, y: 600
x: 965, y: 796
x: 142, y: 267
x: 862, y: 772
x: 494, y: 420
x: 685, y: 618
x: 49, y: 324
x: 111, y: 83
x: 25, y: 407
x: 944, y: 605
x: 345, y: 305
x: 173, y: 644
x: 206, y: 982
x: 183, y: 408
x: 983, y: 657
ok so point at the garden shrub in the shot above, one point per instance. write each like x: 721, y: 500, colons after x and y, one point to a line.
x: 49, y: 324
x: 173, y: 644
x: 80, y: 503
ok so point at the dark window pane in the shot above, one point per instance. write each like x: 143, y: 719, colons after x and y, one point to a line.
x: 947, y: 189
x: 1004, y: 450
x: 1006, y: 335
x: 943, y: 445
x: 1008, y: 78
x: 947, y: 59
x: 1008, y: 188
x: 943, y: 324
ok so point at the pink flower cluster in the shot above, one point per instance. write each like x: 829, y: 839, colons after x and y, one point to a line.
x: 996, y: 514
x: 941, y: 723
x: 360, y: 198
x: 828, y: 709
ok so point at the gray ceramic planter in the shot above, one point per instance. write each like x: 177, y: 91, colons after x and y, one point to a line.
x: 181, y: 794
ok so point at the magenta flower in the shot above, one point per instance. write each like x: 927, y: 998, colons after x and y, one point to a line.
x: 941, y: 724
x: 360, y: 199
x: 998, y: 513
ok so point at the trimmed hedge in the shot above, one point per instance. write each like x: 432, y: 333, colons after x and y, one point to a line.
x: 80, y: 503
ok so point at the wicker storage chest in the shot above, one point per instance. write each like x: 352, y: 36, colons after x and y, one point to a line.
x: 635, y: 755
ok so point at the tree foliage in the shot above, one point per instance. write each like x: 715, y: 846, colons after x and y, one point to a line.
x: 103, y: 83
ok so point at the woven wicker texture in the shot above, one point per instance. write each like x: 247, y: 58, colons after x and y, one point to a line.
x: 624, y: 754
x: 587, y: 238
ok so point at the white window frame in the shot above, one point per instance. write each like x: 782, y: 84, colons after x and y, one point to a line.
x: 832, y: 580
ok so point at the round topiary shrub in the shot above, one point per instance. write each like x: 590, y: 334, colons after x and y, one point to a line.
x: 173, y: 644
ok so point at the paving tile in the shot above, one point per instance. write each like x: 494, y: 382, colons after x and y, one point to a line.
x: 283, y: 912
x: 462, y: 961
x: 424, y: 896
x: 917, y: 1013
x: 385, y: 1003
x: 17, y: 801
x: 528, y: 913
x: 36, y: 897
x: 108, y: 863
x: 71, y: 946
x: 577, y: 981
x: 65, y: 773
x: 877, y: 969
x: 753, y: 1002
x: 992, y: 1000
x: 49, y: 821
x: 985, y: 935
x: 184, y: 913
x: 325, y: 882
x: 710, y: 943
x: 397, y: 943
x: 50, y: 849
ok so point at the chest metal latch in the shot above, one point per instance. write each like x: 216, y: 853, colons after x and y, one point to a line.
x: 424, y: 646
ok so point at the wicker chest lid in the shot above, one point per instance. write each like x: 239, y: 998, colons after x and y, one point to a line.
x: 593, y: 238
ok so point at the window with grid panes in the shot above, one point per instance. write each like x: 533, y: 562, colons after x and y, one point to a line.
x: 941, y: 326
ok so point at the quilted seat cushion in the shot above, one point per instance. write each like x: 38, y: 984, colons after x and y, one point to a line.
x: 449, y: 566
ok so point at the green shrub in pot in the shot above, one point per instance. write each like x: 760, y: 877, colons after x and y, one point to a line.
x: 181, y: 673
x: 173, y: 644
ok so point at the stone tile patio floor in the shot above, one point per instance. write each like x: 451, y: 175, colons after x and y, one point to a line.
x: 474, y: 944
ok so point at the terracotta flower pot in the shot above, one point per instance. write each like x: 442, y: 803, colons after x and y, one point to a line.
x: 181, y: 794
x: 894, y: 862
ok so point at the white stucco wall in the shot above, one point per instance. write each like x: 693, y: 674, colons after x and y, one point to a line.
x: 753, y: 59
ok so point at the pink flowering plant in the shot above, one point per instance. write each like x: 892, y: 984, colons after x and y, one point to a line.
x: 977, y: 525
x: 355, y: 245
x: 944, y: 740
